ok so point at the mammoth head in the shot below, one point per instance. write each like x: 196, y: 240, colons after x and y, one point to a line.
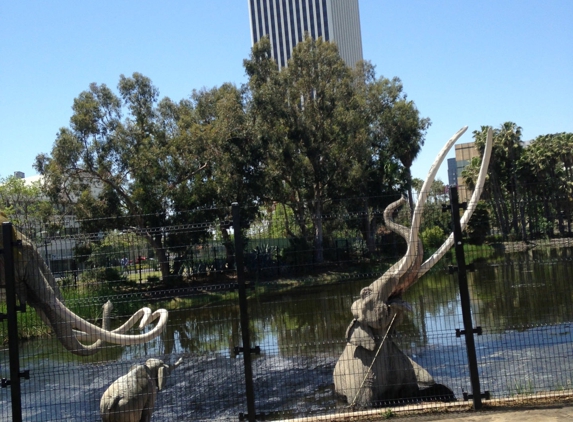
x: 159, y: 371
x: 36, y: 285
x: 380, y: 304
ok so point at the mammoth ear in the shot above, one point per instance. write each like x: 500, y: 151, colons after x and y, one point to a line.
x: 365, y: 292
x: 161, y: 376
x: 360, y: 335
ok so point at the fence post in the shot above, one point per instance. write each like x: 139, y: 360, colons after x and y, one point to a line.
x: 243, y: 307
x: 465, y: 299
x: 10, y: 279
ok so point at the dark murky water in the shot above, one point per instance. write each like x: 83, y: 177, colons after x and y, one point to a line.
x: 523, y: 302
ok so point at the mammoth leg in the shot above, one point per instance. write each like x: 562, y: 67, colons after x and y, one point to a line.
x: 366, y: 379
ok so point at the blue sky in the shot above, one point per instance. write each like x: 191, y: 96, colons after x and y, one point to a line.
x: 462, y: 62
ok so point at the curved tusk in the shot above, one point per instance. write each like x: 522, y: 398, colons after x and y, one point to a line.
x: 431, y: 261
x: 416, y: 218
x: 145, y: 319
x: 107, y: 307
x: 45, y: 297
x: 90, y: 332
x: 143, y: 313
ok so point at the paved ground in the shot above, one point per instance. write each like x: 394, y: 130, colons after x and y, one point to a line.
x: 548, y: 408
x: 549, y: 414
x: 541, y: 408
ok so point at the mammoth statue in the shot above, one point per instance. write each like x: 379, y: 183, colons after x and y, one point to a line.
x: 372, y: 369
x: 131, y: 398
x: 36, y: 286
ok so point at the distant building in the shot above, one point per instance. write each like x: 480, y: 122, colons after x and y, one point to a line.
x: 286, y: 21
x: 464, y: 154
x: 452, y: 172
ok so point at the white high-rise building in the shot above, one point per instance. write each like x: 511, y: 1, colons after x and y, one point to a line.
x: 286, y: 21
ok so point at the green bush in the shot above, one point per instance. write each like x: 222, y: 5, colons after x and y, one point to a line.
x: 479, y: 225
x: 433, y: 237
x: 99, y: 275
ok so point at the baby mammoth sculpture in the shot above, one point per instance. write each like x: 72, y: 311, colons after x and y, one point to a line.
x: 372, y: 369
x: 36, y: 286
x: 131, y: 398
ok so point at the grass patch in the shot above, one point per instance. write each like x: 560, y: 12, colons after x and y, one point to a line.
x: 522, y: 388
x: 136, y: 277
x: 29, y: 323
x: 388, y: 414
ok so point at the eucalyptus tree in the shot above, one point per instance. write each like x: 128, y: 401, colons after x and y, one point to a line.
x: 380, y: 177
x: 394, y: 134
x: 310, y: 120
x: 220, y: 122
x: 24, y: 203
x: 406, y: 132
x: 124, y: 156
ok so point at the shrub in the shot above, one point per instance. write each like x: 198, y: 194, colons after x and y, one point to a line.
x: 99, y: 275
x: 432, y: 237
x: 479, y: 225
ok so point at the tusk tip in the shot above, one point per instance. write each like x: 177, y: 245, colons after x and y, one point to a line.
x: 146, y: 318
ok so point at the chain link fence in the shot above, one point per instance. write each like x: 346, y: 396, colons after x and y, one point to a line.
x: 285, y: 284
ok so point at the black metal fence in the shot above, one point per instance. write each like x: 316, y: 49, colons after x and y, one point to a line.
x: 259, y: 310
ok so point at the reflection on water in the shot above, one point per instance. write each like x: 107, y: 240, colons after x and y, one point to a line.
x: 522, y: 301
x: 524, y: 290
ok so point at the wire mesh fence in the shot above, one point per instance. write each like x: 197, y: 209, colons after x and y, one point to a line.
x: 312, y: 352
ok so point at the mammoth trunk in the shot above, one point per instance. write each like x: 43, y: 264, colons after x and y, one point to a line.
x: 36, y: 285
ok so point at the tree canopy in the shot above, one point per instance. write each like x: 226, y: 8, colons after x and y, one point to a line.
x: 24, y: 202
x: 299, y: 138
x: 529, y: 184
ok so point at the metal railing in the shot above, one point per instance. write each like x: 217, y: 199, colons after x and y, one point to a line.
x: 260, y: 323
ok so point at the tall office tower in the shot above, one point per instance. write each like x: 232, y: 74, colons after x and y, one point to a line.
x: 286, y: 21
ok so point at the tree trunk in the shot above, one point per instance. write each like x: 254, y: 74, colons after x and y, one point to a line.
x: 318, y: 232
x: 522, y: 205
x: 229, y: 248
x: 369, y: 229
x: 156, y: 243
x: 502, y: 207
x: 548, y: 218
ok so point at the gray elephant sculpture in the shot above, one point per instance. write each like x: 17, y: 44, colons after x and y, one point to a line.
x: 131, y: 398
x: 372, y: 369
x: 36, y: 286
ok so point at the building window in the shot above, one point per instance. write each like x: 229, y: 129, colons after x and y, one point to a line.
x: 318, y: 19
x: 286, y: 28
x: 304, y: 17
x: 311, y: 19
x: 298, y: 23
x: 326, y: 23
x: 254, y: 19
x: 260, y: 19
x: 266, y: 18
x: 273, y: 34
x: 279, y: 26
